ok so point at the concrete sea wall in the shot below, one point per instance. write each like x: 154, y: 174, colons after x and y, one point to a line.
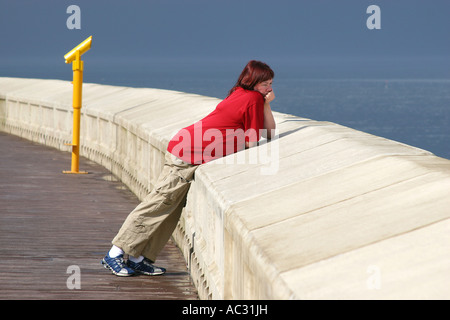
x: 324, y: 212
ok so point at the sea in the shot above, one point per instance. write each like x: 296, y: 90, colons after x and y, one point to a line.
x: 399, y: 99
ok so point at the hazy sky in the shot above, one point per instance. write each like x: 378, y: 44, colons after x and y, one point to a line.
x: 225, y: 29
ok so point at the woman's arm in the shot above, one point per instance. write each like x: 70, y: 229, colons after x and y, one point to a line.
x: 269, y: 121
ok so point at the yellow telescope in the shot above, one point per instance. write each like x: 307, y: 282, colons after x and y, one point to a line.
x: 74, y: 56
x: 82, y: 48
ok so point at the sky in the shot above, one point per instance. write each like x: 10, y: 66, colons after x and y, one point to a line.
x: 217, y: 29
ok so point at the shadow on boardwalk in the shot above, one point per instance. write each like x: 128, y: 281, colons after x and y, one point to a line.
x: 50, y: 221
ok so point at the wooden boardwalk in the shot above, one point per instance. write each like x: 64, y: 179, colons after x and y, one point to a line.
x: 53, y: 223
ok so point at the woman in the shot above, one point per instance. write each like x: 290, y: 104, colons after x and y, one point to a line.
x: 237, y: 123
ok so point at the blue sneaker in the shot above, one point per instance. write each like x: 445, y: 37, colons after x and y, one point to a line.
x: 117, y: 266
x: 146, y: 267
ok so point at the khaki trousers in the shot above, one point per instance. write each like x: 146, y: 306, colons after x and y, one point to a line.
x: 149, y: 226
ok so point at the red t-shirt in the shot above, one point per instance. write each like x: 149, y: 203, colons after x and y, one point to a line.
x: 238, y: 118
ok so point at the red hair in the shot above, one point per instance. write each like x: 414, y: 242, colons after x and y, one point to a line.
x: 253, y: 73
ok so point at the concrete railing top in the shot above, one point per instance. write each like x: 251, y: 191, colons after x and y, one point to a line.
x: 325, y: 212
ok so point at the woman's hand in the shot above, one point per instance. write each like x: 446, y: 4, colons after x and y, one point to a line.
x: 269, y: 97
x: 269, y: 121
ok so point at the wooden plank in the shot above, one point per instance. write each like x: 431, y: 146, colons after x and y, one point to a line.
x: 50, y: 221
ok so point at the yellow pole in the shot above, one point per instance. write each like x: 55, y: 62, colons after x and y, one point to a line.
x: 74, y: 56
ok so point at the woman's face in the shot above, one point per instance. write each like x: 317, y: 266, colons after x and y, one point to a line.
x: 264, y: 87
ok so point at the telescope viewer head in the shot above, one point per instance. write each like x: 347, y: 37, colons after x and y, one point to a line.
x: 82, y: 48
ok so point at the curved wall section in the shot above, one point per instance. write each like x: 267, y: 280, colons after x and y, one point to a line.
x: 321, y: 212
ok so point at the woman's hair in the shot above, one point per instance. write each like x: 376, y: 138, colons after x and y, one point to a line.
x: 253, y: 73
